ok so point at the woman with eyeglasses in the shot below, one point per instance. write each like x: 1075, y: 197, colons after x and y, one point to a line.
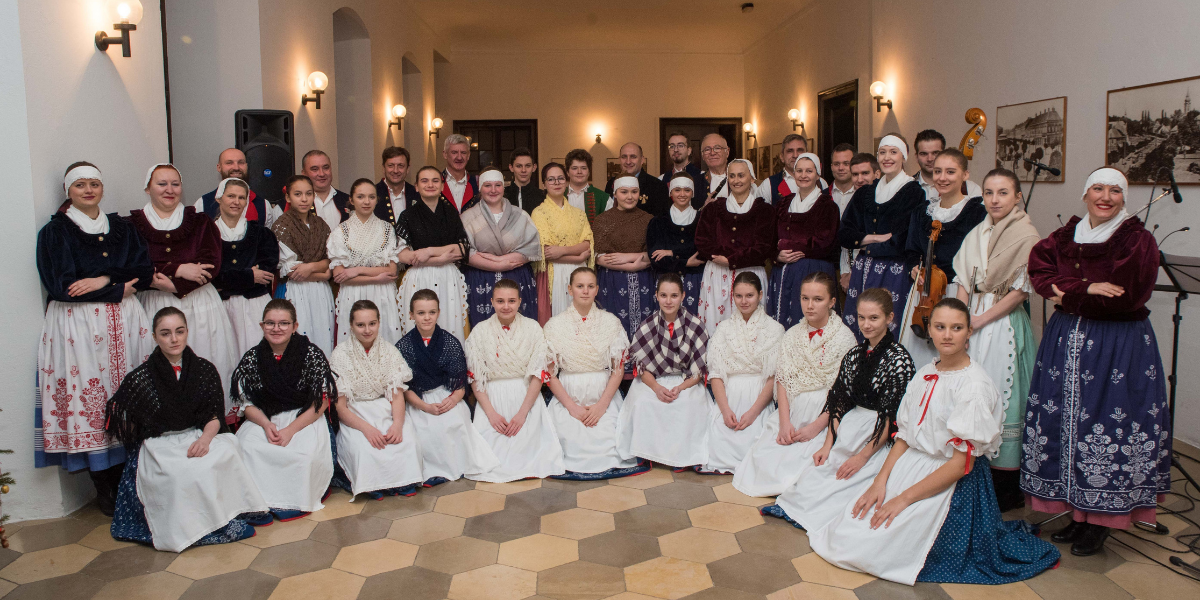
x: 566, y: 237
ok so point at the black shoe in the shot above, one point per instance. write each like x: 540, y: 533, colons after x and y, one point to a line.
x: 1071, y: 533
x: 1091, y: 542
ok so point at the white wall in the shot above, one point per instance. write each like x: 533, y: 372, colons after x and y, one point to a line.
x: 215, y: 69
x: 352, y: 78
x: 62, y: 100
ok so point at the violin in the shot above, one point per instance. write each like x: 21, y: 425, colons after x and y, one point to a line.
x: 931, y: 288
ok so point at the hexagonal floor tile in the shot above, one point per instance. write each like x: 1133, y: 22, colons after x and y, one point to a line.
x: 577, y: 523
x: 207, y: 561
x: 76, y: 585
x: 666, y: 577
x: 451, y: 487
x: 682, y: 496
x: 373, y: 558
x: 279, y: 533
x: 568, y: 485
x: 780, y: 542
x: 720, y: 593
x: 493, y: 582
x: 511, y: 487
x: 416, y: 583
x: 101, y: 539
x: 457, y: 555
x: 469, y: 503
x: 399, y: 507
x: 705, y: 480
x: 814, y: 569
x: 348, y: 531
x: 1147, y: 581
x: 726, y: 493
x: 753, y: 573
x: 337, y: 505
x: 652, y: 478
x: 723, y: 516
x: 502, y: 526
x: 541, y: 501
x: 538, y: 552
x: 611, y: 499
x: 295, y: 558
x: 1064, y: 582
x: 699, y: 545
x: 44, y: 564
x: 1008, y: 591
x: 581, y: 581
x: 245, y: 585
x: 133, y: 561
x: 159, y: 586
x: 618, y: 548
x: 49, y: 535
x: 812, y: 591
x: 327, y: 584
x: 652, y: 520
x: 426, y: 528
x: 881, y: 589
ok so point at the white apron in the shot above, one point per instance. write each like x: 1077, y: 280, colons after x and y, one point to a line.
x: 189, y: 498
x: 921, y: 351
x: 292, y: 477
x: 369, y: 469
x: 384, y: 297
x: 674, y: 433
x: 560, y: 300
x: 727, y: 447
x: 245, y: 314
x: 588, y: 449
x: 534, y: 452
x: 769, y: 468
x: 450, y: 445
x: 210, y: 335
x: 314, y: 311
x: 450, y: 286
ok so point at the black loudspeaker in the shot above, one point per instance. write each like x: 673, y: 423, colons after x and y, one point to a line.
x: 267, y: 138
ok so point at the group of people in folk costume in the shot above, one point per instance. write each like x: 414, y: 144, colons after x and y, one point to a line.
x: 504, y: 333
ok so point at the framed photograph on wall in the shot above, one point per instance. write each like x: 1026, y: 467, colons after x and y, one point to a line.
x: 776, y: 161
x: 1036, y: 131
x: 752, y: 156
x: 1152, y: 129
x: 612, y: 168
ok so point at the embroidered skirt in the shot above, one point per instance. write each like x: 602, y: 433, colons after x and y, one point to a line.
x: 245, y: 314
x: 692, y: 284
x: 670, y: 433
x: 886, y: 273
x: 1096, y: 427
x: 291, y: 477
x: 727, y: 447
x: 629, y: 296
x: 383, y: 295
x: 448, y: 283
x: 210, y: 335
x: 479, y: 292
x: 534, y: 451
x: 769, y: 468
x: 450, y: 445
x: 86, y: 350
x: 786, y: 280
x: 314, y: 310
x: 588, y: 449
x: 716, y: 293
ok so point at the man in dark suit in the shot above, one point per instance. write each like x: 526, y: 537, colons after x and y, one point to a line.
x: 655, y: 198
x: 523, y: 191
x: 681, y: 161
x: 393, y: 194
x: 332, y: 204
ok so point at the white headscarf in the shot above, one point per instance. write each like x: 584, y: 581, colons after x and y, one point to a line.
x: 895, y: 142
x: 884, y: 189
x: 91, y: 226
x: 681, y: 182
x: 810, y: 156
x: 154, y: 168
x: 730, y: 204
x: 628, y: 181
x: 490, y: 175
x: 1084, y: 232
x: 81, y: 172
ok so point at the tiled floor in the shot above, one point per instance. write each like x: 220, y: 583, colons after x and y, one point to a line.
x: 657, y: 535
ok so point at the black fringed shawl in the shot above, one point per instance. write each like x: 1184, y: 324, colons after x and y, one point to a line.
x: 418, y: 227
x: 152, y: 401
x: 298, y: 380
x: 440, y: 364
x: 875, y: 380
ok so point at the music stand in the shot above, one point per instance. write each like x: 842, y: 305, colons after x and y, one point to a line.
x: 1184, y: 274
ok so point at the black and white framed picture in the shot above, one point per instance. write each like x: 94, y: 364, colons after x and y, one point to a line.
x: 1036, y: 131
x: 1152, y: 129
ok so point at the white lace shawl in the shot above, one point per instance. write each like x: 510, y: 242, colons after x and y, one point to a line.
x: 588, y: 344
x: 806, y: 366
x: 358, y: 244
x: 363, y: 376
x: 496, y: 353
x: 744, y: 347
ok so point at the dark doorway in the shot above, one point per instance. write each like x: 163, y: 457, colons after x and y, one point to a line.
x: 493, y: 140
x: 695, y: 130
x: 837, y: 120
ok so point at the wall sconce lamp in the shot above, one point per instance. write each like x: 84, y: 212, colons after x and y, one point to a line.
x: 877, y: 91
x: 317, y: 82
x: 126, y: 15
x: 598, y: 137
x: 794, y: 115
x: 435, y: 128
x: 398, y: 111
x: 748, y: 127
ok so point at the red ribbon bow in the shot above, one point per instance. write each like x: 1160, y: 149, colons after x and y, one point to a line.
x: 928, y: 396
x: 970, y: 451
x: 505, y: 327
x: 178, y: 370
x: 671, y: 330
x: 426, y: 340
x: 815, y: 333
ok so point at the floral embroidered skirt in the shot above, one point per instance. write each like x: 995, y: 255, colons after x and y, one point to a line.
x: 886, y: 273
x: 1096, y: 426
x: 479, y: 292
x: 629, y: 296
x: 786, y: 280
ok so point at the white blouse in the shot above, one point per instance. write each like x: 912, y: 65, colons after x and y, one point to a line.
x: 944, y: 411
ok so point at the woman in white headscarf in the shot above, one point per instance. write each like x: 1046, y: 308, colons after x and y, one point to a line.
x: 1097, y: 439
x: 504, y: 241
x: 875, y: 226
x: 734, y: 234
x: 807, y: 224
x: 249, y: 261
x: 671, y: 241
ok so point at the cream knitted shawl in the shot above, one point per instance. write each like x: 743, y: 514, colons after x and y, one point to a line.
x: 806, y: 366
x: 494, y: 352
x: 363, y: 376
x: 744, y: 346
x: 358, y: 244
x: 586, y: 344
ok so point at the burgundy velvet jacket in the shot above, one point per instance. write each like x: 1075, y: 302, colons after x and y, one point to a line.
x: 814, y: 232
x: 746, y: 240
x: 1128, y: 259
x: 196, y: 240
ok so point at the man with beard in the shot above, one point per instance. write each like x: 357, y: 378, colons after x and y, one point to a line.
x: 681, y: 161
x: 654, y: 197
x: 232, y: 163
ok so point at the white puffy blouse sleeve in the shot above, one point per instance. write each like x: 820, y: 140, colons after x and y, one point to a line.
x: 977, y: 419
x: 288, y: 260
x: 338, y: 251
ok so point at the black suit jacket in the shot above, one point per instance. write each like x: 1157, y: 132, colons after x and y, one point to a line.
x: 342, y: 201
x: 383, y: 204
x: 531, y: 194
x: 655, y: 199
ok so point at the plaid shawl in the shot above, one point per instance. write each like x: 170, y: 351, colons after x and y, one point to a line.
x: 658, y: 352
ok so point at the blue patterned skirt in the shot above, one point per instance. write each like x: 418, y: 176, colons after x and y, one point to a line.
x: 887, y: 273
x: 786, y: 280
x: 1096, y: 425
x: 691, y: 291
x: 129, y: 517
x: 975, y: 546
x: 629, y: 296
x: 479, y: 292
